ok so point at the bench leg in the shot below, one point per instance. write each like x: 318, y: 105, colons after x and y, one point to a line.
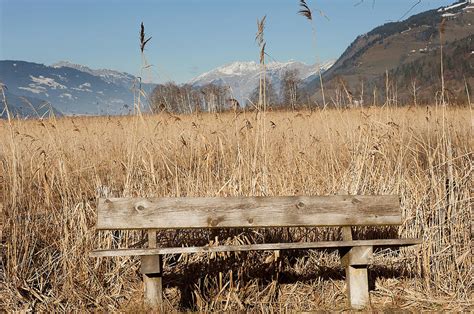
x: 152, y: 279
x: 357, y: 286
x: 356, y: 260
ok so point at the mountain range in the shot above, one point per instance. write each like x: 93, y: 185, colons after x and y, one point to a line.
x: 243, y: 77
x: 399, y: 61
x: 69, y: 88
x: 74, y: 89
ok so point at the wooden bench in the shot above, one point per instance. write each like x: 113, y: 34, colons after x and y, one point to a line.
x: 254, y: 212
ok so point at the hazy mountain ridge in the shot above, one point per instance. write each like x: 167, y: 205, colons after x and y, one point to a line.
x: 110, y: 76
x: 71, y: 88
x: 26, y: 107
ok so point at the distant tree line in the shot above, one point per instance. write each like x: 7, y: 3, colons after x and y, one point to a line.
x: 188, y: 99
x: 216, y: 98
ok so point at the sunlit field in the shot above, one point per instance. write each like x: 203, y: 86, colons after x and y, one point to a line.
x: 52, y: 172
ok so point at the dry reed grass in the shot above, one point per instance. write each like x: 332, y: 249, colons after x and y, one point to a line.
x: 51, y: 172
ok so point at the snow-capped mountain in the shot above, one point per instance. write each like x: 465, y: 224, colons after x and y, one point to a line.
x: 110, y: 76
x: 76, y: 89
x: 243, y: 77
x: 71, y: 88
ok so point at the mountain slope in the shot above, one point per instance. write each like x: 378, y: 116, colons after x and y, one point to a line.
x: 72, y: 89
x: 243, y: 77
x: 26, y: 107
x: 388, y: 48
x: 110, y: 76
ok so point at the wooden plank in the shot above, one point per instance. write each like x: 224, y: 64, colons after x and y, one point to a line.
x: 257, y: 247
x: 228, y: 212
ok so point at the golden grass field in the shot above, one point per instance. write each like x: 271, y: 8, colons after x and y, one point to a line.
x: 52, y: 171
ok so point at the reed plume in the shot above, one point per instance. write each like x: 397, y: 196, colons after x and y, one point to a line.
x: 143, y: 41
x: 305, y: 10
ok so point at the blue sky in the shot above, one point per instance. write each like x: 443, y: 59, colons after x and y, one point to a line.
x: 189, y: 36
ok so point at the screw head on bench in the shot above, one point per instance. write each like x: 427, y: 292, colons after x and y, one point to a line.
x: 300, y: 205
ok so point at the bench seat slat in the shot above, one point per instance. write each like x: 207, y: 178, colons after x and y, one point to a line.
x: 250, y: 212
x: 256, y: 247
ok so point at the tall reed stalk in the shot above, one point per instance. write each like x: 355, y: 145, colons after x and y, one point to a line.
x: 306, y: 12
x: 442, y: 29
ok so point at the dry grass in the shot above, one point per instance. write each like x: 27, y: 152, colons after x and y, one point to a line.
x: 51, y: 172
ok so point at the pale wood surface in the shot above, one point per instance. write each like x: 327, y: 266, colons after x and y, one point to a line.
x: 152, y: 270
x: 357, y: 286
x: 151, y: 238
x: 153, y: 291
x: 224, y: 212
x: 355, y: 261
x: 151, y: 264
x: 347, y: 233
x: 346, y: 230
x: 257, y: 247
x: 358, y: 255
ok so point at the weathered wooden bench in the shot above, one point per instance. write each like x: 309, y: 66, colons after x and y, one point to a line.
x: 254, y: 212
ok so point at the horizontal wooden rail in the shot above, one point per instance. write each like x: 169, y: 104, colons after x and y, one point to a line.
x: 256, y: 247
x: 238, y: 212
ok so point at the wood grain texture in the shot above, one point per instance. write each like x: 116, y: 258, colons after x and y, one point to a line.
x: 357, y: 282
x: 151, y: 264
x: 151, y: 268
x: 257, y: 247
x: 153, y: 290
x: 228, y: 212
x: 347, y: 233
x: 358, y: 255
x: 151, y: 238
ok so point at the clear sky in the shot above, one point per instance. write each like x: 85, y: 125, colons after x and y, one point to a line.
x: 189, y: 36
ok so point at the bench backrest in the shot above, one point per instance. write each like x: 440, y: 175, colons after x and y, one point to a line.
x: 238, y: 212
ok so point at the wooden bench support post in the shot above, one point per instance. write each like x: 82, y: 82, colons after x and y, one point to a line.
x: 357, y: 286
x: 152, y: 270
x: 152, y: 280
x: 355, y: 261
